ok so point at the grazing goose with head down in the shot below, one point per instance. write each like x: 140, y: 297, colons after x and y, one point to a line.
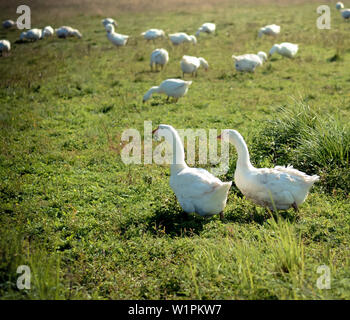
x: 181, y: 37
x: 285, y: 49
x: 207, y: 27
x: 176, y: 88
x: 248, y: 62
x: 153, y: 34
x: 270, y: 30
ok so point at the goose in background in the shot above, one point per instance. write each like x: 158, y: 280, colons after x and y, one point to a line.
x: 66, y: 31
x: 285, y: 49
x: 191, y: 64
x: 107, y: 21
x: 339, y: 6
x: 159, y: 57
x: 153, y: 34
x: 116, y: 38
x: 275, y: 188
x: 207, y: 27
x: 48, y: 31
x: 175, y: 88
x: 270, y: 30
x: 248, y: 62
x: 181, y: 37
x: 345, y: 13
x: 7, y: 24
x: 31, y: 35
x: 5, y: 47
x: 196, y: 189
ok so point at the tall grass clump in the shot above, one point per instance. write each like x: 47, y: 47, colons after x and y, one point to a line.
x: 309, y: 140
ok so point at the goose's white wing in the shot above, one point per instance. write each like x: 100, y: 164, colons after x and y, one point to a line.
x: 172, y: 85
x: 247, y: 62
x: 194, y: 183
x: 284, y: 185
x: 191, y: 60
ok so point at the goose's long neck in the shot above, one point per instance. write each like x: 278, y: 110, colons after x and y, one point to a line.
x: 243, y: 161
x: 150, y: 92
x: 178, y: 161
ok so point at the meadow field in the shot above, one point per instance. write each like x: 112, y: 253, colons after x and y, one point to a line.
x: 92, y: 227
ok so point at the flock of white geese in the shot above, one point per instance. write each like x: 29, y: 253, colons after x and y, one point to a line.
x: 196, y: 189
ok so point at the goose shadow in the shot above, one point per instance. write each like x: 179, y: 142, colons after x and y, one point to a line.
x: 258, y: 215
x: 171, y: 220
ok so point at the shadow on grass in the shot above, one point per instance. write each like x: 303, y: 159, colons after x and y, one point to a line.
x: 247, y: 212
x: 169, y: 219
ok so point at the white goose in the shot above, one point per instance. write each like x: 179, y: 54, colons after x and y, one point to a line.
x: 270, y: 30
x: 175, y: 88
x: 181, y: 37
x: 339, y: 6
x: 5, y: 47
x: 153, y: 34
x: 159, y: 57
x: 32, y: 35
x: 66, y: 31
x: 279, y: 187
x: 116, y: 38
x: 48, y: 31
x: 248, y: 62
x: 191, y: 64
x: 207, y: 27
x: 8, y: 24
x: 107, y: 21
x: 196, y: 189
x: 345, y: 13
x: 285, y: 49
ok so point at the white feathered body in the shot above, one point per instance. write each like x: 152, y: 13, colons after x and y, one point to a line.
x: 48, y: 31
x: 153, y: 34
x: 190, y: 64
x: 159, y: 57
x: 181, y: 37
x: 176, y: 88
x: 5, y: 46
x: 116, y: 38
x: 275, y: 188
x: 249, y: 62
x: 199, y: 191
x: 207, y: 27
x: 66, y: 31
x: 339, y: 6
x: 345, y: 13
x: 8, y: 24
x: 32, y: 34
x: 270, y: 30
x: 285, y: 185
x: 285, y: 49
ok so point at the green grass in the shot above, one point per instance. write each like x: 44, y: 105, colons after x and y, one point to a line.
x: 91, y: 227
